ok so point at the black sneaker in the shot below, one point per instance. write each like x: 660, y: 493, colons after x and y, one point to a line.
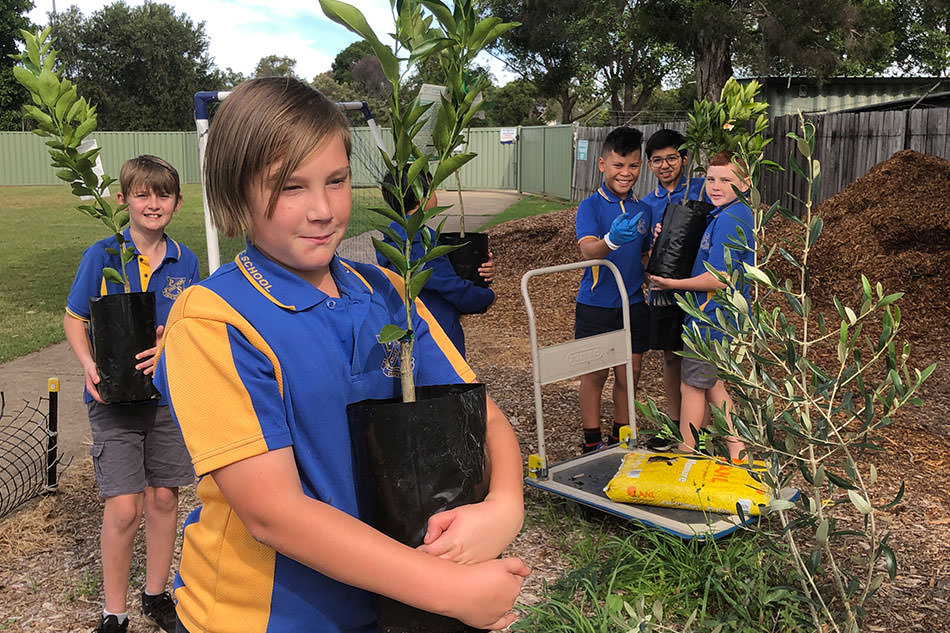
x: 662, y: 441
x: 160, y: 610
x: 110, y: 624
x: 592, y: 448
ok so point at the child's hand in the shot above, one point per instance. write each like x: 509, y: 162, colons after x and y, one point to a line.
x: 91, y: 373
x: 471, y: 533
x: 148, y: 356
x: 487, y: 270
x: 487, y: 592
x: 659, y: 283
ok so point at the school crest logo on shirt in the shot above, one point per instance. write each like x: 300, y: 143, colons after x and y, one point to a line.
x: 391, y: 360
x: 174, y: 286
x: 642, y: 227
x: 706, y: 243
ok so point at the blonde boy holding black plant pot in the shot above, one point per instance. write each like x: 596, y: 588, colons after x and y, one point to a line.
x: 139, y: 456
x: 260, y: 361
x: 699, y: 384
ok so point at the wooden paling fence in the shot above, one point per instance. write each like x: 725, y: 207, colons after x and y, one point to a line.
x: 847, y: 144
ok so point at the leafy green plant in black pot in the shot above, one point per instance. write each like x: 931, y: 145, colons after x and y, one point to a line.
x: 426, y: 450
x: 122, y: 324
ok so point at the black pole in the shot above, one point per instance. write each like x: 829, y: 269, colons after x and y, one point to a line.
x: 51, y: 446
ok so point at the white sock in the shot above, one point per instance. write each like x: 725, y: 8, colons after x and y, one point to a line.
x: 122, y: 617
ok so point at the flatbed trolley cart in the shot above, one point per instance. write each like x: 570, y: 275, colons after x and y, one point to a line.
x: 582, y: 479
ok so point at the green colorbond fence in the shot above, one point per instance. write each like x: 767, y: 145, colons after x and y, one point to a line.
x: 544, y: 155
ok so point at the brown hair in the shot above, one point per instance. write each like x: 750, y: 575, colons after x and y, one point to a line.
x: 262, y: 121
x: 151, y: 173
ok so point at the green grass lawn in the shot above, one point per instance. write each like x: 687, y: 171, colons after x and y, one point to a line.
x: 43, y: 237
x: 526, y: 207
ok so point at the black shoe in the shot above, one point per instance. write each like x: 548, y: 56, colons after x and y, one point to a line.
x: 160, y: 610
x: 591, y: 448
x: 110, y: 624
x: 662, y: 441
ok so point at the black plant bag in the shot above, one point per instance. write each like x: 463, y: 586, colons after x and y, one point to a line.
x: 122, y: 326
x: 472, y: 253
x: 676, y: 247
x: 415, y: 460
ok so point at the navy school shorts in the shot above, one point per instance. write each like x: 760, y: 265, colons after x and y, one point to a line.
x: 592, y: 320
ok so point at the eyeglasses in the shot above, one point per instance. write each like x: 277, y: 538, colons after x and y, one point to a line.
x: 672, y: 159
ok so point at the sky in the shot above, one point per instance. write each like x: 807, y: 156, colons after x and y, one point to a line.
x: 241, y: 32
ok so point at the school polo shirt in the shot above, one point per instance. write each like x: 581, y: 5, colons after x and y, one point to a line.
x: 594, y: 217
x: 721, y: 230
x: 445, y: 294
x: 167, y: 278
x: 254, y: 359
x: 660, y: 197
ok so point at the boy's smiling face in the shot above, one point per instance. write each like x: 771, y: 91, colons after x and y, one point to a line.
x: 311, y: 213
x: 149, y: 210
x: 667, y: 165
x: 620, y: 172
x: 719, y: 182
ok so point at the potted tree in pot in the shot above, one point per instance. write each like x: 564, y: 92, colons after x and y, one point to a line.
x: 122, y: 324
x: 425, y: 451
x: 714, y: 126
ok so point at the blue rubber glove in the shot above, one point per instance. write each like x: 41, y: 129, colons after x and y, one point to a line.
x: 624, y: 229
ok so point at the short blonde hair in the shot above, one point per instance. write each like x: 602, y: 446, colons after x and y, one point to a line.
x: 151, y: 173
x: 263, y: 121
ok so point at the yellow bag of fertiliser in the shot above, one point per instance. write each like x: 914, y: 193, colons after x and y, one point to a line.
x: 689, y: 482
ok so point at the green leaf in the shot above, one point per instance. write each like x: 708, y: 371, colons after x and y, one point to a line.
x: 890, y: 561
x: 396, y: 257
x: 438, y: 251
x: 351, y: 17
x: 418, y: 281
x: 821, y: 534
x: 860, y: 503
x: 449, y: 166
x: 111, y: 274
x: 442, y: 14
x: 391, y: 333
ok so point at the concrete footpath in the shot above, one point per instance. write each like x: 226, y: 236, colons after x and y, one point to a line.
x: 24, y: 380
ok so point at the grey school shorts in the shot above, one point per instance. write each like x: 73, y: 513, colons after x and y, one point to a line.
x: 697, y: 373
x: 134, y: 446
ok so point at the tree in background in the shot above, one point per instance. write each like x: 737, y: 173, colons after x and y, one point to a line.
x: 515, y: 103
x: 923, y: 36
x: 12, y: 94
x: 814, y: 37
x: 345, y: 60
x: 548, y: 49
x: 276, y: 66
x: 140, y: 65
x: 631, y: 60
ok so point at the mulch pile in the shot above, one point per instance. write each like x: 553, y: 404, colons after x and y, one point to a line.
x: 893, y: 225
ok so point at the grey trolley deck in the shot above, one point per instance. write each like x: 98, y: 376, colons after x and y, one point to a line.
x: 582, y: 479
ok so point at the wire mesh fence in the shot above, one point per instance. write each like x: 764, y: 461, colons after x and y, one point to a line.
x: 28, y: 456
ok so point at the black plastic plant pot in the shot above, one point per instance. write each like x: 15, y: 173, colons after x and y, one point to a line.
x: 676, y: 247
x: 414, y: 460
x: 472, y: 253
x: 122, y: 326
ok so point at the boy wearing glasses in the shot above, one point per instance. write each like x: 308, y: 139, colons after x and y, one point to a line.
x: 666, y: 160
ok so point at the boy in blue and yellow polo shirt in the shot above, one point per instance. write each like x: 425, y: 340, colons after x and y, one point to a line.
x: 666, y: 160
x: 699, y: 384
x: 260, y: 361
x: 612, y: 224
x: 139, y: 456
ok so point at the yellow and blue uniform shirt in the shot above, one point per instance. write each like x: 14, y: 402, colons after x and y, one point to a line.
x: 256, y: 359
x: 446, y: 294
x: 722, y: 230
x: 167, y: 278
x: 595, y: 214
